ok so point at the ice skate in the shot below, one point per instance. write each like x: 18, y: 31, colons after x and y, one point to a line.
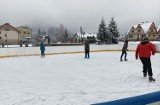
x: 151, y: 79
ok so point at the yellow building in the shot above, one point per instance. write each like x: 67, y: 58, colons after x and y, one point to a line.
x: 9, y: 34
x: 25, y: 32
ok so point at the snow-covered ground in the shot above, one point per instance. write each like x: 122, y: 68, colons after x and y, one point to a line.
x: 70, y: 79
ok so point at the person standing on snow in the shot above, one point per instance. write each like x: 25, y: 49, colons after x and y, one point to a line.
x: 124, y: 51
x: 87, y: 49
x: 144, y: 50
x: 42, y: 48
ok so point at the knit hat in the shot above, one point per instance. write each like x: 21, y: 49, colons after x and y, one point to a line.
x: 145, y: 39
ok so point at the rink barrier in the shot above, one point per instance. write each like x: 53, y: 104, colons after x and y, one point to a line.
x: 51, y: 50
x: 58, y: 53
x: 146, y: 99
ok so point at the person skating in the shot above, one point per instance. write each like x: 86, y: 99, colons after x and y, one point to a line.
x: 87, y: 49
x: 144, y: 51
x: 124, y: 51
x: 42, y: 48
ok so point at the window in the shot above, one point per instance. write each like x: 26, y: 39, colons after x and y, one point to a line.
x: 132, y: 31
x: 0, y: 37
x: 139, y: 30
x: 151, y: 30
x: 143, y: 35
x: 130, y: 36
x: 28, y: 32
x: 0, y: 32
x: 24, y: 32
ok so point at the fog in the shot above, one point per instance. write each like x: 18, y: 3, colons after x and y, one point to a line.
x: 75, y: 13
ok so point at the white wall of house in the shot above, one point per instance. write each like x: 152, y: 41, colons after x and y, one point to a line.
x: 10, y: 34
x: 11, y: 38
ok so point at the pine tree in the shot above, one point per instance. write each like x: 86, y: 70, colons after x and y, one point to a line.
x: 113, y: 30
x: 39, y: 32
x: 66, y: 36
x: 102, y: 32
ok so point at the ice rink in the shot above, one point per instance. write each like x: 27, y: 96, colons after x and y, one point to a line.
x: 69, y: 79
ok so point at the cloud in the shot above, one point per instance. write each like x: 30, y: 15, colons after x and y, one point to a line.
x: 76, y: 13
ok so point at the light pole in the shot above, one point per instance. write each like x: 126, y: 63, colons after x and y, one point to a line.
x: 7, y: 29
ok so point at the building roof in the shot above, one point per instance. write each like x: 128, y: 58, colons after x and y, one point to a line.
x: 145, y: 26
x: 23, y: 27
x: 87, y: 35
x: 158, y: 29
x: 135, y: 26
x: 10, y: 26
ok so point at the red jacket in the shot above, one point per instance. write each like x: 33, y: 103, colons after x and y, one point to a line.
x: 145, y: 49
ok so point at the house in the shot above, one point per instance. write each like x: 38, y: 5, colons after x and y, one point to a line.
x: 25, y: 32
x: 9, y: 34
x: 144, y: 29
x: 80, y: 38
x: 158, y: 34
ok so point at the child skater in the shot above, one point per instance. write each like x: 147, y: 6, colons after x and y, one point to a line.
x: 42, y: 48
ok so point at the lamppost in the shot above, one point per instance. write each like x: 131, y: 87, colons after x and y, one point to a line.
x: 7, y: 29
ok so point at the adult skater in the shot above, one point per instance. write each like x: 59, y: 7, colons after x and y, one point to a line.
x: 124, y: 51
x: 144, y: 51
x: 87, y: 49
x: 42, y: 48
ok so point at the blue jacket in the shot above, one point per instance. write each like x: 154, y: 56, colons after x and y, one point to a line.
x: 42, y: 47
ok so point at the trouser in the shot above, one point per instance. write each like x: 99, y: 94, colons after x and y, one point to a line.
x: 124, y: 52
x: 146, y: 65
x: 42, y: 53
x: 86, y: 53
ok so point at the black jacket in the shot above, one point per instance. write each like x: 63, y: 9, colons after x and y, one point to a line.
x: 125, y: 46
x: 87, y: 46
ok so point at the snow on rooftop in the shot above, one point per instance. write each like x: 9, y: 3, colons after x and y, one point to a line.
x: 158, y: 28
x: 135, y: 26
x: 87, y: 35
x: 146, y: 26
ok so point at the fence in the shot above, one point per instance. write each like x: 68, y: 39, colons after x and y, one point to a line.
x: 27, y: 51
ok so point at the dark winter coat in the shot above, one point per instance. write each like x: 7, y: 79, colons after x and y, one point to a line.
x: 145, y: 49
x: 125, y: 46
x: 42, y: 47
x: 87, y: 46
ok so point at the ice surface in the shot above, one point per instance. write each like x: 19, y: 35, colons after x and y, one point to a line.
x: 70, y: 79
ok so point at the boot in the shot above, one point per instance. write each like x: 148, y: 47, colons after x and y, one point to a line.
x: 151, y: 79
x: 88, y: 57
x: 125, y: 59
x: 145, y: 74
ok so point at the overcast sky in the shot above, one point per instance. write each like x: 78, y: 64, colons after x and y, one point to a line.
x: 75, y: 13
